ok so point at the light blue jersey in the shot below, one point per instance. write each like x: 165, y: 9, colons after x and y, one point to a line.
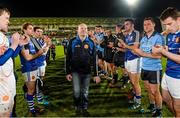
x: 100, y: 38
x: 146, y: 45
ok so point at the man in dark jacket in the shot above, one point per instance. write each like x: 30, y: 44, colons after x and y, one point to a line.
x: 81, y: 57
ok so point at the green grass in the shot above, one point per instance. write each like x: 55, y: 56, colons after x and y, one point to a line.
x: 104, y: 101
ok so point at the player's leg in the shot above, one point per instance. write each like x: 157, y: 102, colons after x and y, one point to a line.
x: 30, y: 79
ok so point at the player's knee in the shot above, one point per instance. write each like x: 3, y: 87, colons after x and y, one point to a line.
x: 166, y: 99
x: 132, y: 82
x: 31, y: 90
x: 154, y: 91
x: 136, y: 83
x: 146, y: 86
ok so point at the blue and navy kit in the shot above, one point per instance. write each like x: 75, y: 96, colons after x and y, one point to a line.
x: 42, y: 58
x: 31, y: 65
x: 129, y: 40
x: 146, y: 45
x: 173, y: 43
x: 81, y: 56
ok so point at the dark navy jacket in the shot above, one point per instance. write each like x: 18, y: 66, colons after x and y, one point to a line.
x: 81, y: 56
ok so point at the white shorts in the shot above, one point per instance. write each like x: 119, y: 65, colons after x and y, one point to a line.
x: 6, y: 103
x: 45, y: 64
x: 133, y: 66
x: 7, y: 87
x: 41, y: 70
x: 172, y: 85
x: 30, y: 76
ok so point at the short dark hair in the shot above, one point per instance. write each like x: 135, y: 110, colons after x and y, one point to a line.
x: 4, y: 9
x: 35, y: 28
x: 150, y: 18
x: 24, y: 27
x: 130, y: 20
x: 98, y: 26
x: 120, y: 26
x: 169, y: 12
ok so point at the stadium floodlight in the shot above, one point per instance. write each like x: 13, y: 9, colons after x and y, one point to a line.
x: 131, y: 2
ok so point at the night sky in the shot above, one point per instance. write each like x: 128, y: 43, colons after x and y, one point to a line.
x: 86, y: 8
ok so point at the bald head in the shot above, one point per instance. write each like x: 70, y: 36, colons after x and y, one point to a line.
x: 82, y: 30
